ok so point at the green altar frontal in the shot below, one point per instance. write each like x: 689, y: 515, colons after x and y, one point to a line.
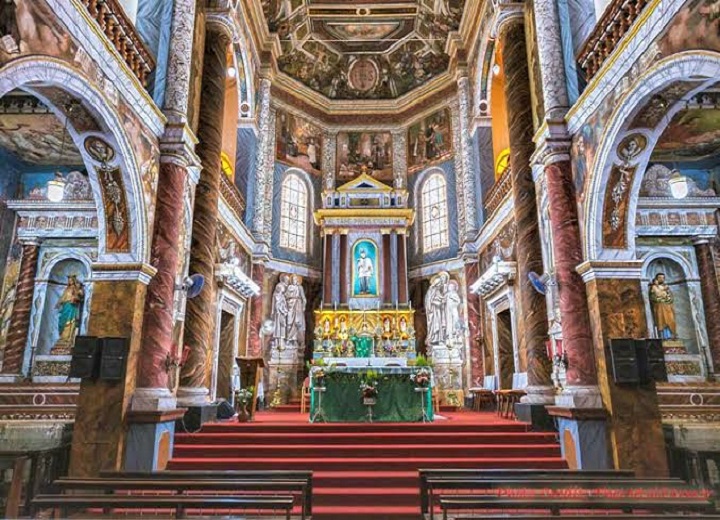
x: 397, y: 399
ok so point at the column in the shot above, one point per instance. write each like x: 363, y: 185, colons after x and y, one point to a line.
x: 529, y: 251
x: 200, y: 316
x: 711, y: 297
x: 262, y: 169
x: 389, y: 273
x: 344, y: 270
x: 395, y: 282
x: 336, y: 281
x: 399, y: 142
x: 466, y: 186
x: 17, y: 336
x: 255, y: 332
x: 329, y: 144
x: 403, y: 293
x: 327, y: 269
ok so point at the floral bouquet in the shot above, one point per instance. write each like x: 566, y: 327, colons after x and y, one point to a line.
x: 319, y: 377
x: 243, y: 395
x: 369, y: 390
x: 421, y: 378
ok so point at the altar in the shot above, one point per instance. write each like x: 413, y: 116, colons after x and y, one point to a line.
x: 338, y: 395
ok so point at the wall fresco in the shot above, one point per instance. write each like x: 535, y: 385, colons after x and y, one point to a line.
x: 364, y: 152
x: 298, y: 142
x: 429, y: 141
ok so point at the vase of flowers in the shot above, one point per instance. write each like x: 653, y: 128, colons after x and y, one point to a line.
x: 369, y: 393
x: 421, y: 378
x: 243, y: 398
x: 319, y: 378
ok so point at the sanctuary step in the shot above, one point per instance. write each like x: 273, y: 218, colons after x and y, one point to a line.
x: 366, y: 471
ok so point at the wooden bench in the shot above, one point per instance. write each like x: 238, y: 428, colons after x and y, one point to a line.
x: 177, y: 504
x: 489, y: 504
x: 556, y: 474
x: 602, y: 516
x: 196, y: 475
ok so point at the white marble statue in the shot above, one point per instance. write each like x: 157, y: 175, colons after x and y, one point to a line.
x: 280, y: 310
x: 288, y: 311
x: 443, y: 308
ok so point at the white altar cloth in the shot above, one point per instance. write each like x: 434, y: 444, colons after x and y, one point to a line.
x: 366, y: 362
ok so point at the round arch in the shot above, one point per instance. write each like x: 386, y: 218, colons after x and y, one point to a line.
x: 700, y: 66
x: 25, y: 73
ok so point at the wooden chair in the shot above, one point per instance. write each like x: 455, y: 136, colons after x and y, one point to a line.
x: 484, y: 394
x: 305, y: 395
x: 506, y: 398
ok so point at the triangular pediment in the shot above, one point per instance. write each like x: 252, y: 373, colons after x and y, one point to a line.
x: 364, y: 183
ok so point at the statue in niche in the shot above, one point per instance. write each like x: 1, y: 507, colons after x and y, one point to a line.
x: 364, y: 272
x: 69, y: 306
x: 663, y: 310
x: 296, y: 302
x: 443, y: 305
x: 280, y: 310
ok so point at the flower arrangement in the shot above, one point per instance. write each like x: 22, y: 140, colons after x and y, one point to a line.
x: 421, y: 378
x: 319, y: 377
x: 244, y: 395
x: 369, y: 385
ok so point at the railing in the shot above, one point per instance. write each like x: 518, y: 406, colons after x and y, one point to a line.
x: 121, y: 32
x: 232, y: 196
x: 498, y: 192
x: 619, y: 16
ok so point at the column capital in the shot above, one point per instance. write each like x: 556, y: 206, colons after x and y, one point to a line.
x: 177, y: 146
x: 140, y: 272
x: 593, y: 270
x: 702, y: 240
x: 552, y: 143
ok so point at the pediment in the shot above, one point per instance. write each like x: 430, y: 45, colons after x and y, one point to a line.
x: 363, y: 184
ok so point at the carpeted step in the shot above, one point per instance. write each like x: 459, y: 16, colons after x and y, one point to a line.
x: 370, y: 494
x: 362, y: 464
x: 305, y: 427
x: 357, y: 479
x: 391, y: 437
x: 352, y: 451
x: 287, y: 408
x: 366, y: 513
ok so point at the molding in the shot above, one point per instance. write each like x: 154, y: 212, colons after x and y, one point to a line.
x: 631, y: 269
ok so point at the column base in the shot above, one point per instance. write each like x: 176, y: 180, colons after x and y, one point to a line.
x: 196, y: 417
x: 579, y: 397
x: 149, y: 443
x: 536, y: 415
x: 192, y: 396
x: 583, y: 437
x: 153, y: 399
x: 544, y: 394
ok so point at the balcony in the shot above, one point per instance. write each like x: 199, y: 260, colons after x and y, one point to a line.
x: 619, y: 16
x: 496, y: 195
x: 232, y: 196
x: 112, y: 20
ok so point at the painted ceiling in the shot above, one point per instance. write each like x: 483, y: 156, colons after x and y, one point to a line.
x: 376, y: 50
x: 692, y: 135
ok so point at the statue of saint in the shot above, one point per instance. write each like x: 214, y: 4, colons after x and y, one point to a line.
x: 435, y: 305
x: 280, y: 309
x: 452, y: 310
x: 69, y: 306
x: 661, y: 301
x: 364, y: 272
x: 296, y: 302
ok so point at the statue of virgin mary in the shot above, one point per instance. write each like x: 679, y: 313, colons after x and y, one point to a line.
x: 69, y: 306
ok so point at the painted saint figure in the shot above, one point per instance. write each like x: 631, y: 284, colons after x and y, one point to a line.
x: 364, y: 272
x: 69, y: 306
x: 661, y: 301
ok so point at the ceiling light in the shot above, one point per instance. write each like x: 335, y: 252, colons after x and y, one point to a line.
x: 496, y: 69
x: 678, y: 185
x: 56, y: 189
x: 231, y: 72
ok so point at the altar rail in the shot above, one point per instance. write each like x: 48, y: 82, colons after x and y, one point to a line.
x: 121, y: 32
x: 616, y: 21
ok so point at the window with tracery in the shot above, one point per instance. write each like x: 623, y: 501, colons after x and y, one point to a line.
x: 293, y: 214
x: 435, y: 233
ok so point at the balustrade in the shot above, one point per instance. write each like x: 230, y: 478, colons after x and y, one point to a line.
x: 497, y: 194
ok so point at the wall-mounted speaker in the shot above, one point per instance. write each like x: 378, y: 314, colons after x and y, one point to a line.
x: 113, y: 358
x: 624, y: 361
x: 103, y: 358
x: 85, y: 357
x: 637, y: 361
x: 656, y: 370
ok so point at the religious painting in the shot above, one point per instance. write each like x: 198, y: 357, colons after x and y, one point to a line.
x: 76, y: 185
x: 692, y: 135
x: 7, y: 302
x: 582, y: 152
x: 617, y: 202
x: 694, y: 27
x: 364, y: 152
x: 429, y: 140
x: 298, y: 142
x: 365, y: 269
x: 63, y: 309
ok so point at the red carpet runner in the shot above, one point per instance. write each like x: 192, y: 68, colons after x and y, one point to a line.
x: 366, y: 471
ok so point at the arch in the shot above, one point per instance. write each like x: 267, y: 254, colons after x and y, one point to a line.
x: 23, y: 74
x: 246, y: 107
x: 295, y: 197
x: 435, y: 227
x: 701, y: 66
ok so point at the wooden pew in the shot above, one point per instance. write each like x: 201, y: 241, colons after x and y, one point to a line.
x: 179, y: 504
x: 554, y: 505
x: 603, y: 516
x: 196, y: 475
x: 557, y: 474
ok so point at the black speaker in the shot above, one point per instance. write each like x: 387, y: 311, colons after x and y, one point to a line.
x: 624, y: 361
x: 655, y: 355
x: 85, y: 357
x: 113, y: 358
x: 224, y: 409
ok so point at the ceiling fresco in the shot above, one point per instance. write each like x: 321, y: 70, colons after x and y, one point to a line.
x: 378, y: 50
x: 693, y: 134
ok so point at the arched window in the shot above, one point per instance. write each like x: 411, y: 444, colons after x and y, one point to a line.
x: 293, y: 214
x: 434, y: 214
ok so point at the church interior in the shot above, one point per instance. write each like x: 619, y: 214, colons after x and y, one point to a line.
x: 394, y: 259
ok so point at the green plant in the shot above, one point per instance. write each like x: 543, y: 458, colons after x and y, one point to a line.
x: 422, y: 361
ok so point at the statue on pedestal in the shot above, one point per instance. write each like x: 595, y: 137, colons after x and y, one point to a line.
x: 280, y: 310
x: 288, y: 311
x: 663, y: 310
x: 443, y: 305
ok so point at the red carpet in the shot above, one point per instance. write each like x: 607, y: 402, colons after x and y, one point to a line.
x: 366, y: 471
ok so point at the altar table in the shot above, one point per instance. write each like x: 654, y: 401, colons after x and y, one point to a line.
x: 397, y: 400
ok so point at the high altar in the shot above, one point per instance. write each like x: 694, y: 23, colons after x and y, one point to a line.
x: 365, y: 311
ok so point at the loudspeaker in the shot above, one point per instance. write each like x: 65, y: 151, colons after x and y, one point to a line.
x: 624, y: 361
x: 224, y: 410
x: 113, y: 358
x: 85, y: 357
x: 655, y: 361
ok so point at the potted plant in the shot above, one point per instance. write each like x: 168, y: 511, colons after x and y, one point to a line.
x: 368, y: 388
x: 421, y: 378
x: 319, y: 377
x: 243, y: 398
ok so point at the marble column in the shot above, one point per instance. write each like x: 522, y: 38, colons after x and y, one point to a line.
x: 17, y: 335
x: 529, y: 250
x: 402, y: 269
x: 466, y: 186
x: 389, y: 274
x: 711, y: 298
x: 255, y: 333
x: 395, y: 282
x: 263, y: 162
x: 567, y: 252
x: 336, y: 280
x: 200, y: 316
x: 344, y: 268
x: 327, y: 269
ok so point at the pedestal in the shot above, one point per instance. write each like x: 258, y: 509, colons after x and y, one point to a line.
x: 536, y: 415
x: 150, y: 439
x: 447, y: 366
x: 583, y: 437
x: 284, y: 366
